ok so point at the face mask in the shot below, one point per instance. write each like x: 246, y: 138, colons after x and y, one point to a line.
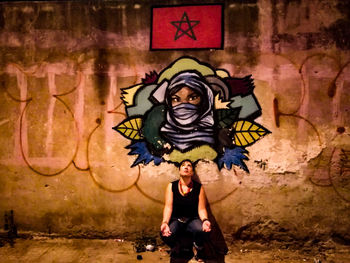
x: 185, y: 113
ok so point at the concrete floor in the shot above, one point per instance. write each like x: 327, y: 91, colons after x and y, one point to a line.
x: 43, y: 249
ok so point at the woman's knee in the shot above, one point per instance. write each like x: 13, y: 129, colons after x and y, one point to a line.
x: 195, y: 226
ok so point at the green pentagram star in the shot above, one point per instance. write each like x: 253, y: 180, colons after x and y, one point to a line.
x: 189, y: 31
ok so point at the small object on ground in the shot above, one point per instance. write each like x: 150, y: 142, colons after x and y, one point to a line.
x: 140, y: 244
x: 149, y: 247
x: 139, y: 248
x: 139, y: 257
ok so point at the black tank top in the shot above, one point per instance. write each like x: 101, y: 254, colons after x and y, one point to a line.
x: 185, y: 206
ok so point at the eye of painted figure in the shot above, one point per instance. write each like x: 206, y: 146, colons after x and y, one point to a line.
x: 193, y: 97
x: 174, y: 99
x: 185, y: 95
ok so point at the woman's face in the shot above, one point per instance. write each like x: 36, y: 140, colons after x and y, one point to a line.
x: 185, y: 95
x: 186, y: 169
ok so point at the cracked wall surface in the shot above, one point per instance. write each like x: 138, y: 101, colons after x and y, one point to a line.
x: 64, y: 170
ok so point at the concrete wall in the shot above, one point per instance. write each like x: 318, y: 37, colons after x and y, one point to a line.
x: 64, y: 170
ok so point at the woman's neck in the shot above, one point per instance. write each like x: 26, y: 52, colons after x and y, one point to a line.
x: 186, y: 180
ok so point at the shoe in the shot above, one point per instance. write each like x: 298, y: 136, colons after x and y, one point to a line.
x: 175, y: 252
x: 199, y: 256
x: 199, y: 259
x: 181, y: 253
x: 186, y: 253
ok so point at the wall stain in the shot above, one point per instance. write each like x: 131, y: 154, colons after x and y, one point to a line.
x: 243, y: 19
x: 339, y: 32
x: 2, y: 19
x: 286, y: 4
x: 101, y: 64
x: 274, y: 36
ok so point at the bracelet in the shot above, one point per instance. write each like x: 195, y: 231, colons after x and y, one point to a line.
x: 164, y: 222
x: 205, y: 219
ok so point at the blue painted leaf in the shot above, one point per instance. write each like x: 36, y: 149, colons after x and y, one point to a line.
x: 144, y: 156
x: 234, y: 156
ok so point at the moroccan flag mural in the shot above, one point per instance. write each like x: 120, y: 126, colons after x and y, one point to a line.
x: 187, y: 27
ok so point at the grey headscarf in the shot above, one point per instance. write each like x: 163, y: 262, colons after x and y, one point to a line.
x: 186, y: 124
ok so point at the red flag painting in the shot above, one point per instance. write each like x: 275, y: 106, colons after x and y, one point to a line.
x: 187, y: 27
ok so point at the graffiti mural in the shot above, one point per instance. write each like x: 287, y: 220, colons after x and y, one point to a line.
x: 191, y: 110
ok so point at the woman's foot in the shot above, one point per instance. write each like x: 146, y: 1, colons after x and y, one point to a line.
x: 180, y: 252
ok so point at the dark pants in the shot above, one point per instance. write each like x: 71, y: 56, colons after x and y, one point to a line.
x: 178, y: 229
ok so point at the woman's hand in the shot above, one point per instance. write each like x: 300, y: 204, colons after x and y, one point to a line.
x: 206, y: 226
x: 164, y: 228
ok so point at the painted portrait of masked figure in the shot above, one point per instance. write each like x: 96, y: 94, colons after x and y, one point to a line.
x: 192, y: 111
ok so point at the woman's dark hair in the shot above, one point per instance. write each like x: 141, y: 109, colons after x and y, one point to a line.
x: 186, y: 160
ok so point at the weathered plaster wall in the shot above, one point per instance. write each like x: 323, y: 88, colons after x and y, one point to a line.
x: 64, y: 170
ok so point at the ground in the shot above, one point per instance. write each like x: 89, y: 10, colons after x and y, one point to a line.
x: 48, y: 249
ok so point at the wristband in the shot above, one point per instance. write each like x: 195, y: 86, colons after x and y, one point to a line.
x: 205, y: 219
x: 164, y: 222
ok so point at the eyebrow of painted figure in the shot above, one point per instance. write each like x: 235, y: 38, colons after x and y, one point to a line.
x: 193, y: 94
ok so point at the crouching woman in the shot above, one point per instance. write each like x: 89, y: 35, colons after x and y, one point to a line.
x: 185, y: 211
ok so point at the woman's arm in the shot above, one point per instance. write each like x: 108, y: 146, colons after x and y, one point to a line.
x: 168, y: 209
x: 202, y: 210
